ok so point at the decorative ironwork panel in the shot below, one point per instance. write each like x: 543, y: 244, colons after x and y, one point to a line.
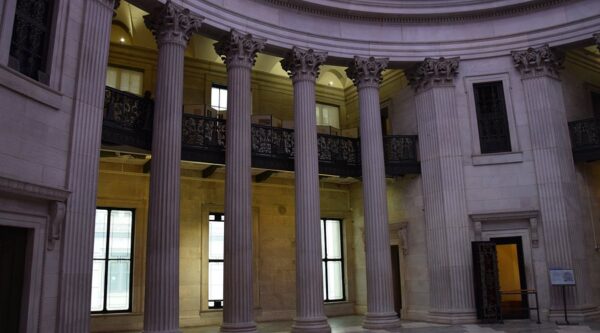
x: 128, y: 110
x: 494, y: 136
x: 338, y: 149
x: 31, y: 32
x: 585, y: 133
x: 486, y: 281
x: 400, y: 148
x: 204, y: 132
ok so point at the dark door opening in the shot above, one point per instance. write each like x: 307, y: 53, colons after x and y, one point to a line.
x: 13, y: 247
x: 396, y: 283
x: 511, y: 277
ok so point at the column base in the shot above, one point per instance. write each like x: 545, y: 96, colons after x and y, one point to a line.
x: 169, y: 331
x: 381, y: 320
x: 453, y: 318
x: 313, y: 325
x: 239, y: 327
x: 575, y: 315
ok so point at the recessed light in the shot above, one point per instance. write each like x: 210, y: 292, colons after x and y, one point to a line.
x: 122, y: 40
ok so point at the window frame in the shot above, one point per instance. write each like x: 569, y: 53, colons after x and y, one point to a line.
x: 131, y: 266
x: 220, y: 87
x: 503, y: 145
x: 341, y: 260
x: 488, y: 158
x: 337, y: 106
x: 131, y: 69
x: 222, y: 220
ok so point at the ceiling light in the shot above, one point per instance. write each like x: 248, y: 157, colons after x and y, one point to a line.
x: 122, y: 40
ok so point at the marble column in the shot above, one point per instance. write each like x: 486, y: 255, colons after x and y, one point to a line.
x: 447, y: 226
x: 73, y: 315
x: 366, y: 75
x: 172, y: 27
x: 303, y: 68
x: 561, y: 208
x: 238, y: 51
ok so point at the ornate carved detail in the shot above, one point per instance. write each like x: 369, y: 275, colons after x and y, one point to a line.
x: 172, y: 24
x: 365, y: 71
x: 55, y: 222
x: 23, y: 189
x: 533, y: 226
x: 537, y: 61
x: 339, y: 150
x: 434, y: 72
x: 128, y: 110
x: 399, y: 148
x: 597, y: 40
x: 303, y: 64
x: 239, y: 49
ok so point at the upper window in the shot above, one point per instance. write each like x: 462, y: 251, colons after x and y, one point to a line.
x: 216, y: 234
x: 125, y: 79
x: 31, y: 33
x: 596, y: 104
x: 492, y: 121
x: 218, y: 97
x: 328, y: 115
x: 111, y: 277
x: 333, y: 260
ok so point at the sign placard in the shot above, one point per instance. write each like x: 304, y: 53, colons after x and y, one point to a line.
x: 562, y: 277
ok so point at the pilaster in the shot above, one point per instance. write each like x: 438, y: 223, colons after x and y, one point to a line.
x: 238, y: 51
x: 172, y: 27
x: 560, y: 202
x: 366, y: 75
x: 303, y: 68
x: 447, y: 223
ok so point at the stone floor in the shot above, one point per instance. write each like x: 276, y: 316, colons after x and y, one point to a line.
x: 351, y: 324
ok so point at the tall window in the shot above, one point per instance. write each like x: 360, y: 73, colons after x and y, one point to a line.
x: 216, y: 234
x: 111, y: 278
x: 328, y: 115
x: 31, y: 33
x: 333, y: 260
x: 492, y: 121
x: 125, y: 79
x: 218, y: 97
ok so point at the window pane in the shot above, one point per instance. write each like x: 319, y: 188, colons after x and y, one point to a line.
x: 120, y: 234
x: 322, y: 239
x: 328, y: 115
x: 118, y: 285
x: 334, y: 242
x: 214, y: 98
x: 111, y: 77
x: 125, y: 79
x: 135, y: 83
x: 216, y: 234
x: 324, y: 281
x: 223, y: 99
x: 100, y: 234
x: 215, y: 280
x: 98, y: 285
x: 334, y: 280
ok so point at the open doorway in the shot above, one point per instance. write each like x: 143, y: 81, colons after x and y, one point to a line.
x: 396, y: 284
x: 511, y: 277
x: 13, y: 251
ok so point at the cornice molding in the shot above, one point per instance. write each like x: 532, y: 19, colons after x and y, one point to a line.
x: 434, y: 73
x: 239, y: 49
x: 32, y: 191
x: 538, y: 61
x: 366, y: 71
x: 172, y: 24
x: 303, y: 64
x: 343, y: 14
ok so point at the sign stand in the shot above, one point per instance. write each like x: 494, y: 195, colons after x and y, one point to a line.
x: 563, y: 278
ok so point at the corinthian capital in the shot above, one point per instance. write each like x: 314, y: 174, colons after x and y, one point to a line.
x: 303, y: 64
x: 172, y: 24
x: 239, y: 49
x: 537, y: 61
x: 365, y: 71
x: 434, y: 72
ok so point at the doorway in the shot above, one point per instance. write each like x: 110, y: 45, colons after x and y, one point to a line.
x: 13, y: 251
x: 511, y: 277
x: 396, y: 284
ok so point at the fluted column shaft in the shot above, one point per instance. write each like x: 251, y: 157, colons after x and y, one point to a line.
x: 238, y: 52
x: 78, y: 239
x: 560, y: 204
x: 161, y: 307
x: 366, y: 74
x: 310, y: 316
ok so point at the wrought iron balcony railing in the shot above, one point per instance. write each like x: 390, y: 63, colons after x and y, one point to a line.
x: 128, y: 122
x: 585, y: 139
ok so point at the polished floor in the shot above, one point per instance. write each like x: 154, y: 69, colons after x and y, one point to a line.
x: 351, y: 324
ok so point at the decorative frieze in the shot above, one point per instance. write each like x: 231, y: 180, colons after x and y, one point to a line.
x: 172, y: 24
x: 365, y: 71
x: 537, y: 61
x: 434, y: 72
x: 303, y: 64
x: 239, y: 49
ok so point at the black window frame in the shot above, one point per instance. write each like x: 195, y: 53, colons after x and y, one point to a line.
x: 492, y: 117
x: 326, y: 260
x: 106, y: 260
x: 218, y: 303
x: 220, y: 87
x: 41, y: 72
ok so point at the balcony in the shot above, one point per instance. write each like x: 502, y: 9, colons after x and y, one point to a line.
x: 585, y: 139
x: 128, y: 119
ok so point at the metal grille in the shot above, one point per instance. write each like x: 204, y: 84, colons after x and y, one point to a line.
x: 494, y: 136
x: 29, y: 44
